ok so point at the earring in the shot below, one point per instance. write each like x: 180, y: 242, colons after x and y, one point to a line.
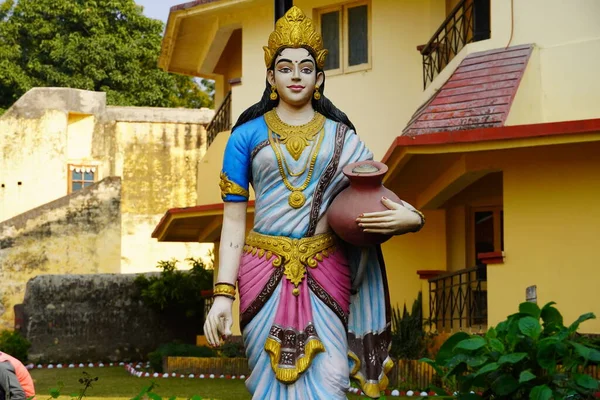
x: 273, y: 95
x: 317, y: 95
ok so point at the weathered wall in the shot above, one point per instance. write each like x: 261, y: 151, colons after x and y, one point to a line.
x: 77, y: 234
x: 159, y: 165
x: 155, y: 151
x: 91, y: 318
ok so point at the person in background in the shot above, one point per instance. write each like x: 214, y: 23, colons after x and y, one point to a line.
x: 10, y: 389
x: 10, y: 365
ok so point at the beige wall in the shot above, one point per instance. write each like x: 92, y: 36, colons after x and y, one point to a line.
x: 159, y: 166
x: 551, y: 232
x: 155, y: 151
x: 77, y: 234
x: 33, y: 152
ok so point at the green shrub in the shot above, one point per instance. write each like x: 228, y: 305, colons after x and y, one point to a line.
x: 176, y: 349
x: 522, y: 358
x: 232, y: 349
x: 176, y: 293
x: 11, y: 342
x: 409, y: 340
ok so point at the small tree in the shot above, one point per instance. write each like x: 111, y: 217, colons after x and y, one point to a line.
x: 176, y: 293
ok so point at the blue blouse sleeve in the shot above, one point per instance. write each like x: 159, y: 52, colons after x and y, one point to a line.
x: 235, y: 175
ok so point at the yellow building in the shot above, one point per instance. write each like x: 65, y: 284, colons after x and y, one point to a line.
x: 486, y: 113
x: 82, y: 186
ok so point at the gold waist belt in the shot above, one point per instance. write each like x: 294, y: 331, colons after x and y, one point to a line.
x: 293, y: 254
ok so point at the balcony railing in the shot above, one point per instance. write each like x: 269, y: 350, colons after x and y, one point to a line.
x: 458, y: 300
x: 468, y: 22
x: 221, y: 121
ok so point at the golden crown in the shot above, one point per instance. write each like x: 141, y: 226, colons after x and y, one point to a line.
x: 295, y: 30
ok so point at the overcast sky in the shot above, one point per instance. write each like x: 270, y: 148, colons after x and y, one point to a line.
x: 159, y: 9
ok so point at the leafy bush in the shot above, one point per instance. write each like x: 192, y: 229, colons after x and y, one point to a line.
x: 175, y: 292
x: 409, y: 340
x: 177, y: 349
x: 522, y: 358
x: 14, y: 344
x: 232, y: 349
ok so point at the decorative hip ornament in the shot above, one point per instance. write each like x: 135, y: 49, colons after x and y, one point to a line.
x: 295, y: 30
x: 363, y: 195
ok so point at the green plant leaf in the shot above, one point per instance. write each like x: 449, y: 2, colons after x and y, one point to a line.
x: 445, y: 353
x: 530, y: 327
x: 531, y: 309
x: 546, y: 354
x: 526, y: 376
x: 488, y: 368
x: 154, y: 396
x: 512, y: 358
x: 584, y: 317
x: 196, y: 397
x: 541, y: 392
x: 551, y: 316
x: 491, y: 333
x: 504, y: 385
x: 476, y: 361
x: 497, y: 345
x: 474, y: 343
x: 586, y: 352
x: 54, y: 393
x: 586, y: 381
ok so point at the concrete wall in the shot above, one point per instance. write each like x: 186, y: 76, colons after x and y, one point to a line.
x: 77, y: 234
x: 155, y: 151
x: 551, y: 232
x: 82, y: 318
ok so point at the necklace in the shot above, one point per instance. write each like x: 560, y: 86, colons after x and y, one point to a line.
x: 296, y: 199
x: 294, y: 137
x: 287, y: 166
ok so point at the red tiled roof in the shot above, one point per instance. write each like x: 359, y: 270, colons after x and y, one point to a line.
x: 477, y: 95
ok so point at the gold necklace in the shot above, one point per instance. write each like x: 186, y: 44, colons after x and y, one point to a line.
x: 296, y: 199
x: 287, y: 166
x: 294, y: 137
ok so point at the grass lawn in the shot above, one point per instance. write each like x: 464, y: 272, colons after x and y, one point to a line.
x: 117, y: 383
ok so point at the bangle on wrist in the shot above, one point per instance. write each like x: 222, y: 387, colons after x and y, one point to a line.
x: 224, y: 289
x: 422, y: 216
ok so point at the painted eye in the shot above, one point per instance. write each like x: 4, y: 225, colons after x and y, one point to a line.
x: 285, y: 70
x: 307, y: 70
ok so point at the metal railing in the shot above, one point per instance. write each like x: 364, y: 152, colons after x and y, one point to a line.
x: 468, y: 22
x: 221, y: 121
x: 458, y: 300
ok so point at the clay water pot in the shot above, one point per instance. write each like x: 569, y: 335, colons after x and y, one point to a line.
x: 362, y: 196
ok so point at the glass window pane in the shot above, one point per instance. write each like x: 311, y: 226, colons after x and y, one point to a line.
x: 484, y: 232
x: 76, y: 176
x: 330, y: 29
x: 86, y: 184
x: 89, y: 176
x: 76, y: 186
x: 358, y: 36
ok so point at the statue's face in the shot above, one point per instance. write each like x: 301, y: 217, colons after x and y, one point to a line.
x: 295, y: 76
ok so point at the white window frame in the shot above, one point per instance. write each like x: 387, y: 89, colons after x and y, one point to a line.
x: 344, y: 52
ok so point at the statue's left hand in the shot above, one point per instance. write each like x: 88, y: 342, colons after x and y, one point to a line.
x: 396, y: 220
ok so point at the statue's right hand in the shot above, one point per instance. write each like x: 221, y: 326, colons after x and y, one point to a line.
x: 218, y: 321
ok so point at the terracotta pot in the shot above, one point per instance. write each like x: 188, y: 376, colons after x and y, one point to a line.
x: 362, y: 196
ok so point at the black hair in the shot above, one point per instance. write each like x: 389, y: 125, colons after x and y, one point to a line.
x: 323, y: 106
